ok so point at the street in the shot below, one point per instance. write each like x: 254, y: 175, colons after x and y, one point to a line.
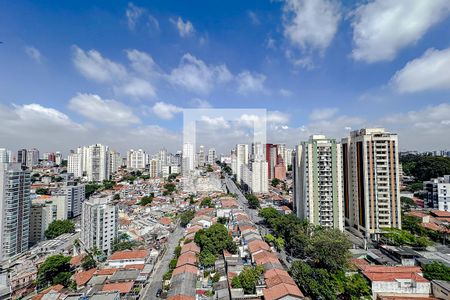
x: 162, y: 266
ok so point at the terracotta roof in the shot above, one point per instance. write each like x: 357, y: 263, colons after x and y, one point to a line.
x: 108, y: 271
x: 279, y: 279
x: 242, y: 217
x: 185, y: 269
x: 81, y: 278
x: 257, y: 245
x: 359, y: 262
x: 434, y: 227
x: 390, y: 269
x: 229, y: 203
x: 121, y: 287
x: 190, y: 247
x: 275, y: 272
x: 54, y: 288
x: 165, y: 221
x: 187, y: 258
x: 417, y: 214
x: 204, y: 211
x: 129, y: 254
x: 181, y: 297
x: 440, y: 213
x: 193, y: 229
x: 282, y: 290
x: 264, y: 257
x: 247, y: 227
x: 135, y: 267
x: 76, y: 260
x: 393, y: 276
x: 390, y: 297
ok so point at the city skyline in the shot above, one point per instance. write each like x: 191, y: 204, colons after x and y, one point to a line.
x: 84, y: 85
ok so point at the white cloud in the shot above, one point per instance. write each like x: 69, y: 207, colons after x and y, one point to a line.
x: 431, y: 71
x: 137, y: 87
x: 33, y: 53
x: 185, y: 29
x: 142, y: 63
x: 37, y: 113
x: 101, y: 110
x: 200, y: 103
x: 152, y: 23
x: 133, y: 14
x: 381, y: 28
x: 166, y: 110
x: 250, y: 82
x: 285, y: 92
x: 323, y: 114
x: 94, y: 66
x: 254, y: 18
x: 215, y: 122
x: 195, y: 75
x: 277, y: 117
x: 311, y: 25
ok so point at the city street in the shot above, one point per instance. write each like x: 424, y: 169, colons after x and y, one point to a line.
x: 162, y: 266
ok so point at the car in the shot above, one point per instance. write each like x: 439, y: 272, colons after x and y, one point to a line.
x: 158, y: 293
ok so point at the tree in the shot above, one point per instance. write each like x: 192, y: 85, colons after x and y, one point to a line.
x: 424, y: 167
x: 206, y: 202
x: 186, y: 217
x: 222, y: 220
x: 88, y: 263
x: 209, y: 169
x: 268, y: 213
x: 42, y: 191
x: 275, y: 182
x: 253, y: 201
x: 207, y: 259
x: 415, y: 187
x: 247, y: 279
x: 91, y: 188
x: 315, y: 282
x: 54, y: 270
x: 58, y: 227
x: 328, y: 249
x: 436, y: 271
x: 216, y: 277
x: 146, y: 200
x: 116, y: 197
x: 108, y: 184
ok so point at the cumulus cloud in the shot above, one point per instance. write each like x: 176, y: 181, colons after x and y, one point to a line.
x: 142, y: 63
x: 133, y: 14
x: 428, y: 72
x: 215, y: 122
x: 92, y: 65
x: 137, y: 87
x: 166, y: 110
x: 381, y: 28
x: 33, y: 53
x: 196, y: 76
x: 185, y: 28
x: 324, y: 113
x: 311, y: 25
x: 100, y: 110
x: 200, y: 103
x: 250, y: 82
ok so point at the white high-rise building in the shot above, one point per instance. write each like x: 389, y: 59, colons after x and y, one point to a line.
x: 281, y: 151
x: 115, y: 161
x: 318, y: 182
x: 201, y: 156
x: 188, y: 158
x: 58, y: 158
x: 212, y: 156
x: 260, y: 176
x: 241, y: 160
x: 40, y: 218
x: 371, y: 181
x: 153, y: 168
x: 438, y: 193
x: 136, y: 159
x: 288, y: 161
x: 5, y: 155
x: 32, y: 157
x: 15, y: 209
x: 97, y: 163
x: 163, y: 157
x: 75, y: 164
x: 99, y: 223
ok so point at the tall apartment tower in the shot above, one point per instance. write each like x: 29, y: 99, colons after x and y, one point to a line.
x: 371, y: 181
x: 188, y: 158
x: 318, y: 182
x: 15, y: 208
x: 75, y: 195
x: 136, y: 159
x: 241, y: 160
x: 115, y: 161
x: 212, y: 156
x: 271, y: 158
x: 5, y: 155
x: 75, y: 164
x: 97, y: 164
x: 32, y: 157
x: 260, y: 179
x: 22, y: 157
x: 99, y: 223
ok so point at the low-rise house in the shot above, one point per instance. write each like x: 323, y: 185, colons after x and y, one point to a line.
x: 441, y: 289
x: 121, y: 259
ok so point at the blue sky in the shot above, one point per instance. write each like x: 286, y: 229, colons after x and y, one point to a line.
x: 120, y: 72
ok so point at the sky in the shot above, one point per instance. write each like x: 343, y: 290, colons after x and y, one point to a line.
x: 120, y: 73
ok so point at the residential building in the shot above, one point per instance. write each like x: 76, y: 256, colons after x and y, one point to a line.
x: 153, y: 168
x: 212, y: 156
x: 271, y: 158
x: 136, y: 159
x: 97, y: 162
x: 5, y: 155
x: 99, y: 221
x: 32, y: 157
x: 289, y: 157
x: 75, y: 164
x: 438, y: 193
x: 188, y: 158
x: 280, y: 169
x: 58, y: 158
x: 75, y: 195
x: 115, y: 161
x: 22, y: 157
x: 260, y: 178
x: 201, y: 156
x: 40, y: 218
x: 371, y: 181
x: 318, y: 182
x: 241, y: 160
x: 15, y: 206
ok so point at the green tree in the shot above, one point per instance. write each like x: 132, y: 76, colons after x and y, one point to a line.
x: 216, y: 277
x: 315, y: 282
x: 207, y: 259
x: 415, y: 187
x: 268, y: 213
x: 88, y: 262
x: 146, y: 200
x: 209, y: 169
x: 186, y: 217
x: 424, y: 167
x: 108, y: 184
x: 247, y: 279
x: 116, y: 197
x: 91, y: 188
x: 54, y: 270
x: 58, y: 227
x: 206, y: 202
x: 42, y: 191
x: 253, y: 201
x: 328, y: 249
x: 275, y: 182
x: 436, y: 271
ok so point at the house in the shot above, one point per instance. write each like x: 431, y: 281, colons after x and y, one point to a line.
x: 120, y: 259
x: 397, y: 280
x: 441, y: 289
x: 124, y: 288
x: 81, y: 278
x: 190, y: 247
x: 187, y: 258
x: 256, y: 246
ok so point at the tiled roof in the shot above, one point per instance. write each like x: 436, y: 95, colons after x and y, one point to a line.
x: 190, y: 247
x: 265, y: 257
x: 135, y: 266
x: 181, y: 297
x: 108, y: 271
x: 193, y: 229
x: 257, y: 245
x: 440, y: 213
x: 129, y: 254
x: 390, y: 269
x: 282, y: 290
x: 122, y: 287
x: 185, y: 269
x: 165, y: 221
x: 81, y: 278
x: 54, y: 288
x: 387, y: 276
x: 187, y: 258
x: 76, y: 260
